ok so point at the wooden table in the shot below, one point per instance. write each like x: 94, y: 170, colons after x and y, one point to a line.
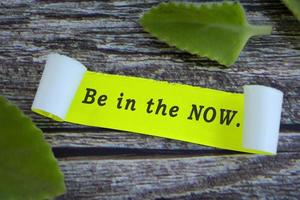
x: 108, y: 164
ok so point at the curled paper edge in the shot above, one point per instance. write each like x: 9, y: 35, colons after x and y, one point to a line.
x: 262, y: 105
x: 60, y: 80
x: 262, y: 112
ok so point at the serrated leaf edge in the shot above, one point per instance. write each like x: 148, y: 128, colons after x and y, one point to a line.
x: 29, y: 122
x: 209, y: 5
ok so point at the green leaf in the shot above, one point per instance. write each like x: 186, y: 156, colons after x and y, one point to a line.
x: 294, y: 6
x: 28, y: 168
x: 218, y: 31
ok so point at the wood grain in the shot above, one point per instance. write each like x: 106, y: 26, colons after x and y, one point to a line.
x: 204, y: 177
x: 106, y: 36
x: 135, y: 143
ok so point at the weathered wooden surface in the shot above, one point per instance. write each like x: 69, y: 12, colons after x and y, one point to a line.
x: 206, y: 177
x: 106, y: 36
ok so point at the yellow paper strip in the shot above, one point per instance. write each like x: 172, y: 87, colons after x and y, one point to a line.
x: 192, y: 114
x: 181, y: 112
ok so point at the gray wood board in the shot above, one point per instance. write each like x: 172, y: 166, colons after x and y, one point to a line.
x: 204, y: 177
x: 105, y: 36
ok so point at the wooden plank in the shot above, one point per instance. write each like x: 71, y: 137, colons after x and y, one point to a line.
x: 106, y: 36
x: 68, y: 141
x: 204, y: 177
